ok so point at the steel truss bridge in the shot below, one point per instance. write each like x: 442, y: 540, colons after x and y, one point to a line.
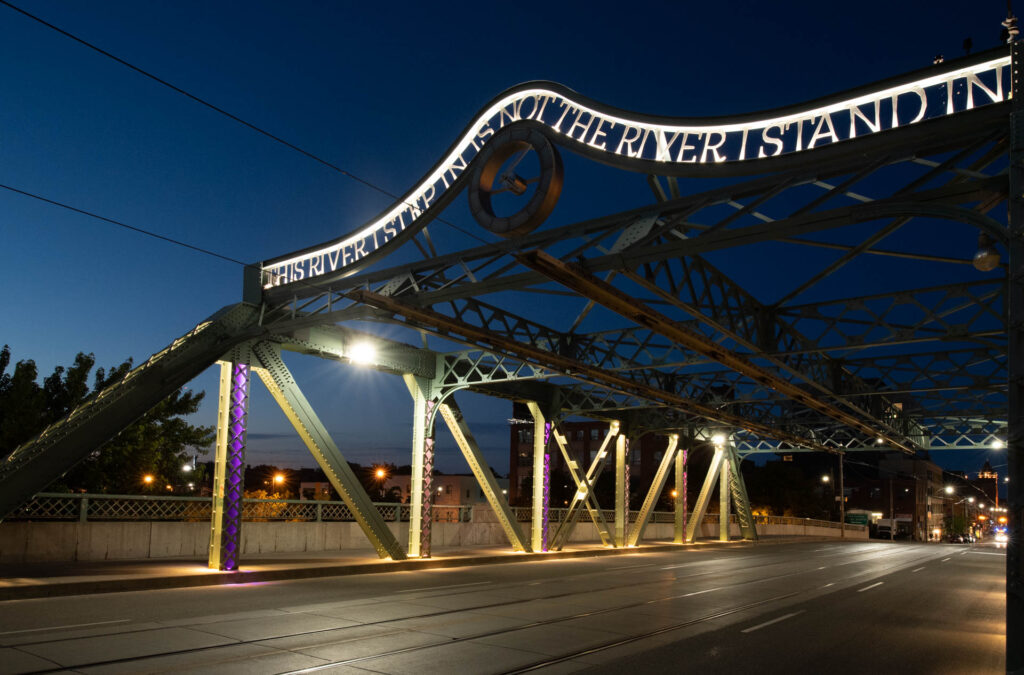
x: 650, y: 335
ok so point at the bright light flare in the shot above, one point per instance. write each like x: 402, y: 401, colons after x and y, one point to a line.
x: 948, y: 489
x: 718, y: 440
x: 362, y: 353
x: 148, y: 479
x: 381, y: 474
x: 278, y: 478
x: 998, y: 444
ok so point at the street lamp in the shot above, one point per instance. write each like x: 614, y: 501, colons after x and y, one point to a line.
x: 148, y: 479
x: 948, y: 489
x: 825, y: 478
x: 381, y: 474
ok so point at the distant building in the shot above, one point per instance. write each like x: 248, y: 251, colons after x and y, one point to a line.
x: 584, y: 439
x: 988, y: 482
x: 447, y: 489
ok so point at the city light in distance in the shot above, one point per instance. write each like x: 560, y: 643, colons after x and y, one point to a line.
x: 186, y: 468
x: 824, y: 479
x: 148, y: 479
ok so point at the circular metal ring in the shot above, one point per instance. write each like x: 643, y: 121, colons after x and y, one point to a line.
x: 549, y: 184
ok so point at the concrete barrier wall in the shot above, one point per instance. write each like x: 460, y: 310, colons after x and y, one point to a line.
x: 60, y: 541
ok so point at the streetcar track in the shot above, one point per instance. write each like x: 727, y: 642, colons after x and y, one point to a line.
x: 578, y: 615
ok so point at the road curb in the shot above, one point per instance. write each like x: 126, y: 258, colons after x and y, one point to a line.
x: 208, y: 578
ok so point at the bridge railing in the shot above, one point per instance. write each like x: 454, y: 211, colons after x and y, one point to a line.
x: 101, y: 507
x: 525, y: 514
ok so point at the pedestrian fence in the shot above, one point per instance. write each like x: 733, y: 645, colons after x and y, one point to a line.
x: 99, y: 507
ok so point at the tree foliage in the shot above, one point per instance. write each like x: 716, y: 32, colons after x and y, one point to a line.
x: 157, y: 444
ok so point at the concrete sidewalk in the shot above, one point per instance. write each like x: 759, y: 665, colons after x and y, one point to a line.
x: 39, y: 580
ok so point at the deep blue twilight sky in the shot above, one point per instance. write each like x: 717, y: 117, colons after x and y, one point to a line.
x: 380, y: 89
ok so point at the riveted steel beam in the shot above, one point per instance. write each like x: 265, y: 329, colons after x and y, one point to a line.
x: 285, y: 391
x: 456, y: 422
x: 632, y: 309
x: 572, y: 367
x: 654, y: 492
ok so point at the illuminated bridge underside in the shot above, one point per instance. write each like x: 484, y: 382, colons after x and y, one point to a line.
x: 799, y: 303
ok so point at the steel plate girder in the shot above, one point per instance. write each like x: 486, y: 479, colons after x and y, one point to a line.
x: 283, y: 388
x: 436, y: 321
x: 630, y: 308
x: 38, y: 462
x: 456, y: 422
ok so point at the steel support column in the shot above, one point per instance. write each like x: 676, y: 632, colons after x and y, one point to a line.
x: 1015, y: 354
x: 285, y: 391
x: 585, y: 496
x: 621, y: 459
x: 657, y: 485
x: 421, y: 475
x: 679, y: 502
x: 541, y: 479
x: 704, y: 498
x: 456, y: 422
x: 229, y: 463
x: 738, y: 490
x: 723, y: 499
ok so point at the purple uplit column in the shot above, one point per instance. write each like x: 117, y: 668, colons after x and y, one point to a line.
x: 625, y: 496
x: 427, y: 511
x: 547, y: 502
x: 546, y: 511
x: 685, y: 491
x: 229, y: 488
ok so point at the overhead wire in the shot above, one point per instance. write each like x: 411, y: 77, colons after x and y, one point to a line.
x: 231, y: 116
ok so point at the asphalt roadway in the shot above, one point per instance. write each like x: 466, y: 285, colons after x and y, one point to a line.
x: 814, y: 607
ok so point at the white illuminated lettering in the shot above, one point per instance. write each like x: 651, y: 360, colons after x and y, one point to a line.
x: 359, y: 249
x: 776, y: 142
x: 579, y: 125
x: 924, y: 104
x: 598, y: 134
x: 568, y: 108
x: 712, y: 148
x: 856, y: 113
x: 683, y: 147
x: 674, y: 143
x: 626, y: 141
x: 974, y: 81
x: 825, y: 121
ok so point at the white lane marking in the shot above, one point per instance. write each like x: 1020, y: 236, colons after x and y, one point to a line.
x: 831, y: 583
x: 630, y: 567
x: 438, y: 588
x: 1001, y: 555
x: 871, y: 586
x: 820, y: 549
x: 700, y: 592
x: 917, y: 570
x: 674, y: 567
x: 775, y: 620
x: 945, y: 559
x: 535, y: 583
x: 73, y: 625
x: 821, y: 568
